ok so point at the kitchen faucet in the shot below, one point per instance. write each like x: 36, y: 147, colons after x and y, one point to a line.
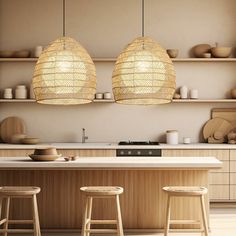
x: 84, y: 137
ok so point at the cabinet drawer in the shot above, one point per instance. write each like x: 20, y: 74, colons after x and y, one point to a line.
x: 225, y: 168
x: 232, y: 178
x: 222, y: 155
x: 232, y: 192
x: 233, y: 155
x: 219, y: 192
x: 219, y: 178
x: 233, y: 166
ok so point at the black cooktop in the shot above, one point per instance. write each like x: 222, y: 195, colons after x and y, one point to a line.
x: 138, y: 143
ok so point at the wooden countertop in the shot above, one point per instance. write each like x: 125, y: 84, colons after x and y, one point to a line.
x: 114, y: 163
x: 97, y: 146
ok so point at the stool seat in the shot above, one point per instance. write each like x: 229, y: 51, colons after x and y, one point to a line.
x: 185, y: 190
x: 18, y: 190
x: 102, y: 190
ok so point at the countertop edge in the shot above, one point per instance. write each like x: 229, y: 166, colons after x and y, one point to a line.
x: 114, y: 146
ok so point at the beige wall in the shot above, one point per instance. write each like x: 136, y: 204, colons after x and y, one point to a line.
x: 104, y: 27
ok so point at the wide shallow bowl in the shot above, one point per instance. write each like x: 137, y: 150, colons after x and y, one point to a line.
x: 22, y: 54
x: 221, y: 52
x: 7, y: 53
x: 46, y: 151
x: 30, y: 140
x: 44, y: 157
x: 17, y: 138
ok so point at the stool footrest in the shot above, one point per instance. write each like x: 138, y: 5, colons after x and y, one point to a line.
x: 185, y: 222
x: 101, y: 231
x: 17, y: 231
x: 20, y: 221
x: 100, y: 222
x: 186, y: 230
x: 3, y: 221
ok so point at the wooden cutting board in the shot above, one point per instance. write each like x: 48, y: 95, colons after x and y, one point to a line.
x: 228, y: 114
x: 11, y: 125
x: 216, y: 126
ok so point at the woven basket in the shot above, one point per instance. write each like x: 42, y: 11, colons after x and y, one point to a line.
x: 144, y: 74
x: 64, y: 74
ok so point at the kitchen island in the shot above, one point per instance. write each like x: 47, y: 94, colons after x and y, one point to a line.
x: 142, y: 203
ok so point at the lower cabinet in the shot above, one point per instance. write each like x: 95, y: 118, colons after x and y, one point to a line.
x: 64, y: 152
x: 233, y: 175
x: 220, y: 181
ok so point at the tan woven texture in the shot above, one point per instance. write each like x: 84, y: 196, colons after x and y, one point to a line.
x: 64, y: 74
x: 144, y: 74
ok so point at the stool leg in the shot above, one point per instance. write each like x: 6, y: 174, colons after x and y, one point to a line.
x: 167, y: 225
x: 5, y: 226
x: 119, y: 218
x: 83, y: 232
x: 1, y: 198
x: 204, y: 217
x: 36, y: 217
x: 89, y: 214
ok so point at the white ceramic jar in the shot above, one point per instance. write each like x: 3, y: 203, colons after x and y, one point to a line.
x: 32, y: 95
x: 194, y: 94
x: 107, y: 95
x: 21, y: 92
x: 184, y: 92
x: 99, y: 96
x: 172, y: 137
x: 7, y: 93
x: 37, y: 51
x: 186, y: 140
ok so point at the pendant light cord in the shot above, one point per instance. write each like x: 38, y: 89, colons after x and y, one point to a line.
x: 142, y: 18
x: 64, y: 18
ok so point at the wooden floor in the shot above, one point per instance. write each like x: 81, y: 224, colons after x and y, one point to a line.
x: 222, y: 222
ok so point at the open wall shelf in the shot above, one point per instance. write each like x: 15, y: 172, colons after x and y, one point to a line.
x: 113, y: 101
x: 105, y: 59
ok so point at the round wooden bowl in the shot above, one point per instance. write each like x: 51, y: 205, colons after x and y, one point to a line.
x: 173, y: 53
x: 200, y: 49
x: 221, y: 52
x: 45, y: 151
x: 22, y: 54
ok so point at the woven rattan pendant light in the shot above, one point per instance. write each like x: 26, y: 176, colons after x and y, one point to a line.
x: 65, y: 73
x: 143, y: 74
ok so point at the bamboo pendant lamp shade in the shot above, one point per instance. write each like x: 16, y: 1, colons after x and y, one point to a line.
x: 64, y: 74
x: 143, y: 74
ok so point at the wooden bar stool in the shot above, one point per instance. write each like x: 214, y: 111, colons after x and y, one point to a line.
x: 179, y: 191
x: 8, y: 193
x: 101, y: 192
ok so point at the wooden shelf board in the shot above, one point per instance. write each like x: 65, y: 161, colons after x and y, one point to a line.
x: 17, y: 100
x: 113, y: 101
x: 110, y: 59
x: 34, y: 101
x: 103, y: 100
x: 204, y: 100
x: 18, y: 59
x: 204, y: 59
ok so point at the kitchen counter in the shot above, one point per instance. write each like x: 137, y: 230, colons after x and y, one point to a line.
x: 114, y: 163
x: 116, y: 146
x: 61, y: 203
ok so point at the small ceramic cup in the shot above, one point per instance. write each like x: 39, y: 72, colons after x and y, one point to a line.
x: 186, y: 140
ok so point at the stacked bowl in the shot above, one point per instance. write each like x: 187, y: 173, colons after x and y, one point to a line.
x: 45, y: 154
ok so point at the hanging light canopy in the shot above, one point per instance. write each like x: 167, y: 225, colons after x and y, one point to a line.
x: 143, y: 74
x: 64, y: 73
